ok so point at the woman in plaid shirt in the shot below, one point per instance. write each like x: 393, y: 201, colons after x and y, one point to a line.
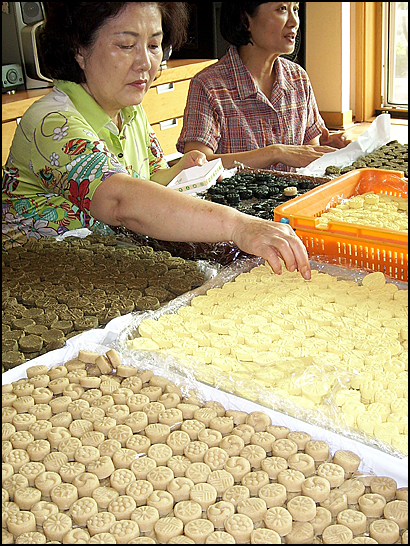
x: 255, y: 106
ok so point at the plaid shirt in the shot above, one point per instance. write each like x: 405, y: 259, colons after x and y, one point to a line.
x: 227, y: 112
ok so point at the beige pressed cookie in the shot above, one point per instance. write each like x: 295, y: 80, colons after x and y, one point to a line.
x: 178, y: 464
x: 238, y: 467
x: 177, y: 441
x: 221, y: 480
x: 219, y: 512
x: 160, y: 453
x: 291, y: 479
x: 137, y: 421
x: 86, y: 454
x: 162, y: 501
x: 215, y: 458
x: 274, y: 494
x: 280, y: 432
x: 71, y: 470
x: 31, y: 470
x: 254, y: 507
x: 236, y: 494
x: 157, y: 433
x: 103, y: 495
x: 83, y: 509
x: 86, y: 483
x: 354, y: 519
x: 384, y: 531
x: 254, y: 454
x: 220, y: 537
x: 122, y: 507
x: 124, y: 457
x: 109, y: 447
x: 278, y: 519
x: 337, y: 534
x: 125, y: 531
x: 301, y: 533
x: 332, y: 472
x: 232, y: 444
x: 300, y: 438
x: 121, y: 478
x: 203, y: 493
x: 397, y: 511
x: 354, y: 489
x: 211, y: 437
x: 141, y: 466
x: 64, y: 495
x: 27, y: 497
x: 265, y: 536
x: 57, y: 525
x: 322, y: 520
x: 316, y: 487
x: 302, y: 508
x: 198, y: 530
x: 22, y: 421
x: 240, y: 527
x: 274, y: 465
x: 105, y: 538
x: 335, y: 502
x: 146, y: 517
x: 372, y: 504
x: 160, y: 477
x: 139, y: 490
x: 198, y: 472
x: 254, y: 480
x: 259, y: 421
x: 284, y: 448
x: 385, y: 486
x: 348, y: 460
x: 302, y: 462
x: 39, y: 429
x: 264, y: 440
x: 180, y: 488
x: 245, y: 432
x: 195, y: 451
x: 139, y: 444
x: 187, y: 510
x: 46, y: 481
x: 317, y: 449
x: 167, y: 528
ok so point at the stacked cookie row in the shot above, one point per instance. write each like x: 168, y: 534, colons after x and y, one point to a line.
x: 98, y: 452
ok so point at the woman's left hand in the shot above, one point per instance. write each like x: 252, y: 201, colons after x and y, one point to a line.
x: 191, y: 159
x: 336, y: 140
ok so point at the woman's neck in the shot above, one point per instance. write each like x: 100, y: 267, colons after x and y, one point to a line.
x: 261, y: 66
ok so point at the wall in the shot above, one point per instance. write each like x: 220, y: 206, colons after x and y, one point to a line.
x: 328, y: 59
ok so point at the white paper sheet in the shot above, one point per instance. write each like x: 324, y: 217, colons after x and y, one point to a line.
x: 376, y: 136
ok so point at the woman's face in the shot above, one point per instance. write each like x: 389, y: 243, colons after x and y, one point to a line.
x: 125, y: 58
x: 274, y: 27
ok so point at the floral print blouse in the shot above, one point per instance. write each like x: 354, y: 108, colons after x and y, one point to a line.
x: 64, y: 147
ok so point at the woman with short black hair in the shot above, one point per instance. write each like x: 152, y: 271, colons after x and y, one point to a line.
x: 254, y: 106
x: 85, y: 154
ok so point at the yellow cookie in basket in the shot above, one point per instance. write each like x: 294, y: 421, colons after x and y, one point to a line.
x: 374, y: 281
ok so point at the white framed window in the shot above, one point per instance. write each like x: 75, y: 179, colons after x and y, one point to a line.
x: 395, y: 55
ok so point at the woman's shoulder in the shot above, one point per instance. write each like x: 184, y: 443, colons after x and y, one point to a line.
x: 217, y: 72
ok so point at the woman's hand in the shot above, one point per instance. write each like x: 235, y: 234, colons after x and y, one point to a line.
x: 336, y: 140
x: 190, y: 159
x: 272, y: 241
x: 298, y: 155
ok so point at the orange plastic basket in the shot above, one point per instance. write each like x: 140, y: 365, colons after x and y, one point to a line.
x: 365, y: 247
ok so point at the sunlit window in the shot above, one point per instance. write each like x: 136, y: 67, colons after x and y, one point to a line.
x: 396, y: 54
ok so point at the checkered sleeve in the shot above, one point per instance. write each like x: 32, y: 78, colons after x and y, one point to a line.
x: 201, y: 120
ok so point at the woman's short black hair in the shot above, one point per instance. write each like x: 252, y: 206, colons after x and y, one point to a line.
x: 70, y: 26
x: 234, y: 21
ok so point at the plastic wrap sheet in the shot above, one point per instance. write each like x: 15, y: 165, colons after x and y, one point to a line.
x: 327, y: 415
x: 373, y: 461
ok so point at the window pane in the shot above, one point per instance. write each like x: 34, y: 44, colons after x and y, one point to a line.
x: 397, y: 66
